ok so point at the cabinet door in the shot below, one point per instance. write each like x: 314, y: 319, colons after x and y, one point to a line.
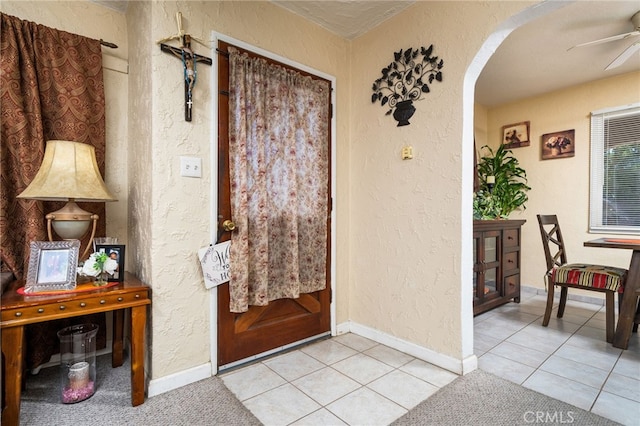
x: 486, y: 255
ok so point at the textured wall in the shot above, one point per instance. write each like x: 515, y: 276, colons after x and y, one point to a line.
x: 561, y: 186
x: 407, y: 227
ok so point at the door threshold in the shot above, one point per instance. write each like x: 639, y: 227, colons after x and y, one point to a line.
x: 276, y: 351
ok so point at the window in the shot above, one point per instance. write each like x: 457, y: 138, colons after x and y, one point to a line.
x: 615, y: 170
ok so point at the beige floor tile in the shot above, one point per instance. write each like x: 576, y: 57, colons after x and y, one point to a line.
x: 623, y: 386
x: 403, y: 389
x: 328, y: 351
x: 251, y: 380
x: 366, y: 407
x: 575, y: 370
x: 362, y: 368
x: 521, y: 354
x: 616, y: 408
x: 389, y: 356
x: 326, y: 385
x: 502, y: 367
x: 322, y: 417
x: 293, y: 365
x: 566, y: 390
x: 281, y: 406
x: 429, y: 373
x: 355, y: 342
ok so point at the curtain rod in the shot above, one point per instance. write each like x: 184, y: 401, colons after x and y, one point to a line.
x: 108, y: 44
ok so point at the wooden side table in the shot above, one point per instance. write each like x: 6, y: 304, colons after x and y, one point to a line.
x: 18, y: 311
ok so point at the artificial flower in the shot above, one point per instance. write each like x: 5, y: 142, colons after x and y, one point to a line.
x: 99, y: 262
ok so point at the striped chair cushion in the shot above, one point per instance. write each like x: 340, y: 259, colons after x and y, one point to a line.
x: 596, y: 276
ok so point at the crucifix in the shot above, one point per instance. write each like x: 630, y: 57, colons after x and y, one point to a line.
x: 189, y: 61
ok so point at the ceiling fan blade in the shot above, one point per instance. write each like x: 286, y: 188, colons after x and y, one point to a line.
x: 608, y: 39
x: 622, y: 58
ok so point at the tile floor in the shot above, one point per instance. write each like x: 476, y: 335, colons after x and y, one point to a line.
x: 351, y: 380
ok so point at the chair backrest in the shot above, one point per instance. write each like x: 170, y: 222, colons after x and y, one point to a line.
x: 552, y: 242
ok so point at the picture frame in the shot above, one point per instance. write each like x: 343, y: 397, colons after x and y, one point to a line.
x: 53, y: 266
x: 558, y: 144
x: 516, y: 135
x: 116, y: 252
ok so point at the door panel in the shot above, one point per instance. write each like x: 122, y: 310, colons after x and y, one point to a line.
x: 283, y: 321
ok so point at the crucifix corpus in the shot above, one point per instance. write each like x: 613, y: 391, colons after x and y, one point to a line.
x: 189, y: 61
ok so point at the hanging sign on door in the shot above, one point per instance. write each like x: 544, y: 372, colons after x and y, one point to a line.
x: 215, y: 264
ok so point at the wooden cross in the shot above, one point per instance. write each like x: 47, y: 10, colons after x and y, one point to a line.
x: 189, y: 60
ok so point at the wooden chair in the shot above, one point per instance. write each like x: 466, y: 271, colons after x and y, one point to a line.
x: 604, y: 279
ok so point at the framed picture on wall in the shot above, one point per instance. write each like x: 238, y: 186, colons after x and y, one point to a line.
x: 516, y: 135
x: 116, y: 252
x: 558, y: 145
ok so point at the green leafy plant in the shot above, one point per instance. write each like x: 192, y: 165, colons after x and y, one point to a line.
x: 508, y: 193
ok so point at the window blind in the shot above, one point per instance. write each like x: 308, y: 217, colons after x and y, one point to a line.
x: 615, y: 170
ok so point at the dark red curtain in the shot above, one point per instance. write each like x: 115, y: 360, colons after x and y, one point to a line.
x: 51, y: 87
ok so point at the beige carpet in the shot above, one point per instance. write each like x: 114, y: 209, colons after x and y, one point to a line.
x: 480, y: 398
x: 207, y: 402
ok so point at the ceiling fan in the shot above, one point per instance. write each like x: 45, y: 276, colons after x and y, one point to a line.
x: 629, y: 51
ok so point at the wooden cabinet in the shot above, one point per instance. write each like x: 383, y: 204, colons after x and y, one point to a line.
x: 496, y: 263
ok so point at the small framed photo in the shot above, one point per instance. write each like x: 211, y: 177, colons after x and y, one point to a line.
x: 559, y: 144
x: 53, y: 266
x: 115, y: 252
x: 516, y: 135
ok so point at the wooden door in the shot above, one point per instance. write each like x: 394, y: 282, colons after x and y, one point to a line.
x: 284, y: 321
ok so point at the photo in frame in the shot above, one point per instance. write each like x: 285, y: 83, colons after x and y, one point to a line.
x: 516, y: 135
x: 116, y: 252
x: 558, y: 144
x: 53, y: 266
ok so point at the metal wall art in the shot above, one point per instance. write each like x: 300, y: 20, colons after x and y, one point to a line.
x: 406, y: 80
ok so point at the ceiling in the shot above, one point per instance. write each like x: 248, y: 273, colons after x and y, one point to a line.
x: 533, y: 59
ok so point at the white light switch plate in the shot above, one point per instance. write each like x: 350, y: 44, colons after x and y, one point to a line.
x: 191, y: 167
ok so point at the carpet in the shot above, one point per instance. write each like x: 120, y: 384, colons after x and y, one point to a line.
x: 206, y: 402
x: 480, y: 398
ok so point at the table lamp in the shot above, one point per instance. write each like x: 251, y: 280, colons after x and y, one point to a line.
x: 69, y: 172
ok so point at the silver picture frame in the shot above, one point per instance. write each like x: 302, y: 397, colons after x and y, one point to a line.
x: 53, y: 266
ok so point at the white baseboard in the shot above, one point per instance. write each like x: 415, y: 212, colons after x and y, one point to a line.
x: 177, y: 380
x: 454, y: 365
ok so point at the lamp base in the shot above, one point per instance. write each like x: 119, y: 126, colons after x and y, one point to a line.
x: 71, y: 223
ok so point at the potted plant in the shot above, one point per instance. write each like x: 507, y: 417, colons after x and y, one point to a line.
x: 405, y: 80
x: 503, y: 185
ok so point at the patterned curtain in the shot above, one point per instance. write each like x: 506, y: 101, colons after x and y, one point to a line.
x: 279, y: 165
x: 51, y: 87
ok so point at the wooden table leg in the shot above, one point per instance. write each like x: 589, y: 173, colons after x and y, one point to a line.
x: 138, y: 323
x: 117, y: 344
x: 629, y: 302
x: 12, y: 345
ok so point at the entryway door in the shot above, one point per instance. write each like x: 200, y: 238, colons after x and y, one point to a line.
x: 284, y: 321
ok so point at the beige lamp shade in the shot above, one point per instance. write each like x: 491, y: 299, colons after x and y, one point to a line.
x: 69, y: 170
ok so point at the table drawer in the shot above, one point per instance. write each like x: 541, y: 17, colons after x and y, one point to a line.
x: 512, y: 286
x: 66, y: 308
x: 511, y: 238
x: 510, y: 262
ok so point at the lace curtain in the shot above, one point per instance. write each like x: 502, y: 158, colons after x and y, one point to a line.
x: 51, y: 87
x: 279, y: 165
